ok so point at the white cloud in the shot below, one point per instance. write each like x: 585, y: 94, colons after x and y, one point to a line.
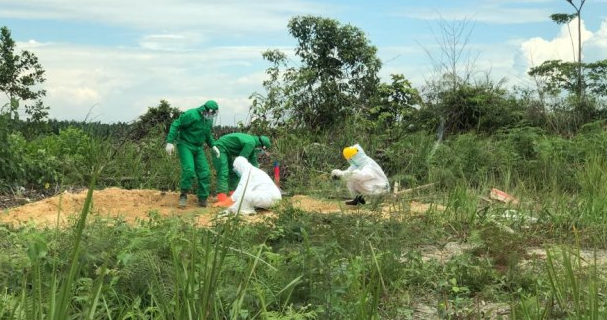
x: 252, y: 79
x: 595, y: 47
x: 563, y: 47
x: 533, y: 52
x: 209, y: 17
x: 119, y: 84
x: 482, y: 60
x: 169, y: 42
x: 491, y: 12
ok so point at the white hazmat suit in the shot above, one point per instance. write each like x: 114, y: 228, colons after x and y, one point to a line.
x: 255, y: 189
x: 364, y: 176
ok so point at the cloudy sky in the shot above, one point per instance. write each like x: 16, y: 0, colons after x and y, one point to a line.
x: 110, y: 60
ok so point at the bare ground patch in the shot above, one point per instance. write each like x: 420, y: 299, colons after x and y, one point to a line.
x: 137, y: 204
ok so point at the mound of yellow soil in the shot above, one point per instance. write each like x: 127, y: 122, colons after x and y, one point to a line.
x: 133, y: 205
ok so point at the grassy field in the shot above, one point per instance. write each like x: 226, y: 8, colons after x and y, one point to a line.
x: 465, y: 257
x: 471, y: 259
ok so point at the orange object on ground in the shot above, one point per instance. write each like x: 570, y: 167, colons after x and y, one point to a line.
x: 226, y: 203
x: 500, y: 195
x: 221, y: 197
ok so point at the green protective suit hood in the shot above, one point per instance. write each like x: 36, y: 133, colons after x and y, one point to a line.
x: 209, y: 111
x: 209, y: 105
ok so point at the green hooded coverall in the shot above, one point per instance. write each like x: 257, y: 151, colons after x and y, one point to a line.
x: 231, y: 146
x: 190, y: 131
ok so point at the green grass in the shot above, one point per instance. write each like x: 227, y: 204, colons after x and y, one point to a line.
x: 349, y: 265
x: 302, y: 265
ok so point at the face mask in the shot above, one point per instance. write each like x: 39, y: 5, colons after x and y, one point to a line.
x: 209, y: 114
x: 353, y: 162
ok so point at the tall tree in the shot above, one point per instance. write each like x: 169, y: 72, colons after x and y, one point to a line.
x: 563, y: 18
x: 337, y: 75
x: 577, y: 78
x: 19, y: 75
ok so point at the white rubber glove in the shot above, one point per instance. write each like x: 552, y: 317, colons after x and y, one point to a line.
x: 216, y: 151
x: 169, y: 148
x: 336, y: 174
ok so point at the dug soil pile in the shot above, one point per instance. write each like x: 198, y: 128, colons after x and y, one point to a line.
x: 139, y: 205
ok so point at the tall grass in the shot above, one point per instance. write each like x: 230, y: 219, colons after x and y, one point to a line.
x: 575, y: 289
x: 351, y: 265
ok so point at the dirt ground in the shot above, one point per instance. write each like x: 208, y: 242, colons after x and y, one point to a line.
x: 134, y: 205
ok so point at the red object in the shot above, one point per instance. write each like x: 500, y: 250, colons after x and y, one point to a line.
x: 222, y: 197
x: 276, y: 173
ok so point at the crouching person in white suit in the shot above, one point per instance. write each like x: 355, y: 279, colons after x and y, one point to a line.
x: 364, y: 177
x: 255, y: 189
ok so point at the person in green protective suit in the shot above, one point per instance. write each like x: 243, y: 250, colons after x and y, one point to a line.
x: 231, y: 146
x: 189, y: 132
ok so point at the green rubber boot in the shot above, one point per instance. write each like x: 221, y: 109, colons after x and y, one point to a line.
x: 183, y: 200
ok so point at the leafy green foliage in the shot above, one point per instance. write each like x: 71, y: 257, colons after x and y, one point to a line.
x: 75, y: 151
x: 558, y: 76
x: 393, y: 108
x: 19, y: 74
x: 6, y: 155
x: 562, y: 18
x: 155, y: 119
x: 103, y: 131
x: 23, y: 164
x: 483, y: 107
x: 337, y: 76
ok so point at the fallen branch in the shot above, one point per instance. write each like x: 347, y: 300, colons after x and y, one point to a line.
x: 121, y: 179
x: 413, y: 189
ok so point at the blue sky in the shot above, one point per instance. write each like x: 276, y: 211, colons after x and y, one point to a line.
x: 110, y: 60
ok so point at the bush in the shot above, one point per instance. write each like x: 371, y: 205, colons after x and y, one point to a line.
x: 481, y: 108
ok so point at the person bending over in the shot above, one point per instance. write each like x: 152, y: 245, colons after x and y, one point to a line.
x: 231, y: 146
x: 255, y: 189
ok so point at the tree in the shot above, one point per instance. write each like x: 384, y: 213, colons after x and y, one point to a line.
x: 576, y: 78
x: 563, y: 18
x: 19, y: 74
x: 337, y: 75
x: 271, y: 108
x: 156, y: 118
x: 478, y: 107
x: 564, y: 76
x: 393, y: 105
